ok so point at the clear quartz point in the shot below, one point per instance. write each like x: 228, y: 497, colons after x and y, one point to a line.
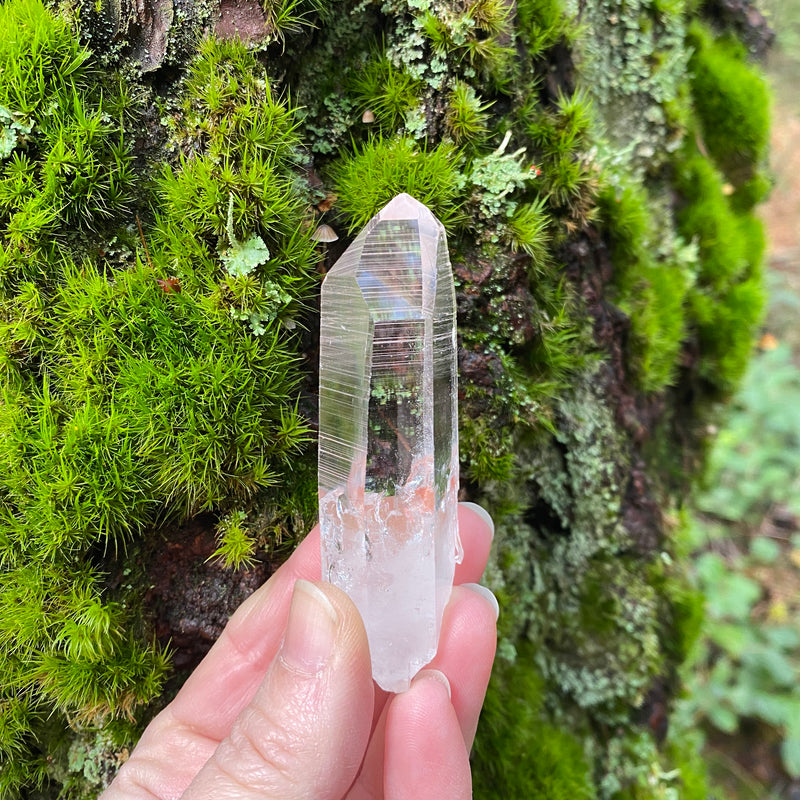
x: 388, y: 434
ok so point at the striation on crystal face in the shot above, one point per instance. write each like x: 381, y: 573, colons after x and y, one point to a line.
x: 388, y: 434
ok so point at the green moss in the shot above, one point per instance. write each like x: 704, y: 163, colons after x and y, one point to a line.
x: 751, y: 192
x: 466, y: 115
x: 542, y: 24
x: 68, y: 480
x: 731, y: 101
x: 683, y: 614
x: 728, y: 297
x: 427, y: 51
x: 529, y: 231
x: 726, y: 327
x: 684, y: 752
x: 691, y: 286
x: 484, y: 454
x: 563, y: 168
x: 659, y: 324
x: 236, y: 546
x: 285, y: 18
x: 373, y: 174
x: 479, y: 35
x: 138, y: 384
x: 732, y: 105
x: 389, y: 93
x: 651, y: 279
x: 71, y: 171
x: 708, y: 216
x: 518, y: 752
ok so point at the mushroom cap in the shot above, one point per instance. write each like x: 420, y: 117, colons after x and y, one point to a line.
x: 324, y: 233
x: 368, y: 116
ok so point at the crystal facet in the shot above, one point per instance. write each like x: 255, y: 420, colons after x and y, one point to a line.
x: 388, y: 434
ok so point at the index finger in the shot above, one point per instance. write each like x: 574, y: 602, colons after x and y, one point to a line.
x: 226, y: 679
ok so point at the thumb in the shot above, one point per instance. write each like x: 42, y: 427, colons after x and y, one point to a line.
x: 305, y: 731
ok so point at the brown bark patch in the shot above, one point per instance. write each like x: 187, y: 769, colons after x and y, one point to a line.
x: 192, y: 598
x: 240, y: 19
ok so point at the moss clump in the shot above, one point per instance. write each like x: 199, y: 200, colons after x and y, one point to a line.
x: 682, y: 614
x: 731, y: 102
x: 68, y: 167
x: 467, y: 115
x: 484, y: 452
x: 518, y: 751
x: 480, y: 36
x: 384, y: 90
x: 651, y: 279
x: 373, y: 174
x: 728, y: 297
x: 542, y: 24
x: 564, y: 169
x: 137, y: 384
x: 685, y: 751
x: 237, y: 547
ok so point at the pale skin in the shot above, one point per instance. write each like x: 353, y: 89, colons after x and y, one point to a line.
x: 284, y: 706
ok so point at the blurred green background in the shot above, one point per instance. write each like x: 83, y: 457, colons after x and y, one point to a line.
x: 744, y: 681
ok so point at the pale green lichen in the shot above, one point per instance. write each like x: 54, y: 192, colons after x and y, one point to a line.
x: 633, y: 59
x: 576, y: 477
x: 496, y: 177
x: 603, y: 644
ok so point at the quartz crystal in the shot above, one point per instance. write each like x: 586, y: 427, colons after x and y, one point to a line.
x: 388, y: 435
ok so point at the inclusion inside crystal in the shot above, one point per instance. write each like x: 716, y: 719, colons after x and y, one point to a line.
x: 388, y: 443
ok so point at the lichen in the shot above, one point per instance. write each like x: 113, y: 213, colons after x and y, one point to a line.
x: 634, y: 57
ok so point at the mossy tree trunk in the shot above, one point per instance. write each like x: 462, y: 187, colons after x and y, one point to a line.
x: 164, y: 170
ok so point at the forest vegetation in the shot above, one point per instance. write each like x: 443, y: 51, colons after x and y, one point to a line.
x: 163, y: 174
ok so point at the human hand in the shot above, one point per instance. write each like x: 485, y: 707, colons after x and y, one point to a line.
x: 284, y: 706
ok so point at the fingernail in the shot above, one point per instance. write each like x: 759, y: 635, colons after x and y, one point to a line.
x: 486, y: 594
x: 436, y: 675
x: 482, y: 513
x: 311, y: 629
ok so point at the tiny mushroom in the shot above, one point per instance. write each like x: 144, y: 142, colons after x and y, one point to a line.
x: 324, y: 233
x: 368, y: 116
